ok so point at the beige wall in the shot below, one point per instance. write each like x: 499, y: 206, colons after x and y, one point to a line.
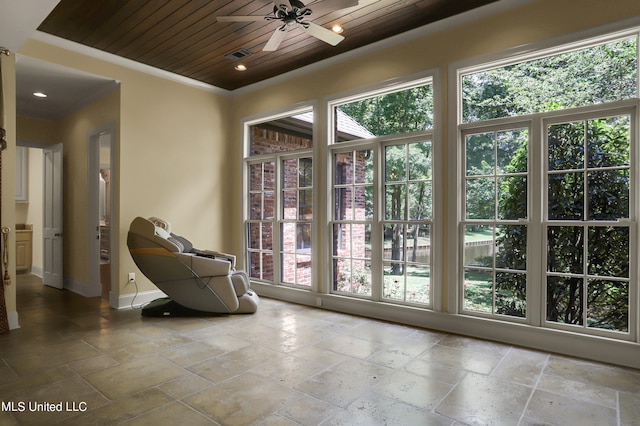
x: 170, y: 152
x: 74, y: 130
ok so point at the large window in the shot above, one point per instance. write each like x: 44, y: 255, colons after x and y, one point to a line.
x: 279, y: 221
x: 382, y: 195
x: 495, y: 229
x: 548, y: 225
x: 588, y: 229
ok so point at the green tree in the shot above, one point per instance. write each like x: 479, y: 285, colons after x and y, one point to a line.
x: 590, y: 76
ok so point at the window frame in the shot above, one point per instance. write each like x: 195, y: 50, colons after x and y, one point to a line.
x: 278, y: 220
x: 377, y: 144
x: 537, y: 163
x: 509, y: 123
x: 632, y: 108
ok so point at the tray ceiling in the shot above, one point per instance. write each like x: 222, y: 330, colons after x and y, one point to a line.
x: 183, y: 36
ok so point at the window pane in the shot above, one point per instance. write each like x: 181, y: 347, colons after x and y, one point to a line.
x: 303, y: 237
x: 593, y: 75
x: 609, y: 141
x: 255, y: 177
x: 566, y: 146
x: 511, y: 294
x: 261, y: 266
x: 420, y: 201
x: 564, y: 300
x: 288, y: 268
x: 363, y: 202
x: 512, y: 197
x: 608, y: 194
x: 417, y: 283
x: 267, y: 235
x: 352, y: 276
x: 255, y: 270
x: 395, y: 202
x: 419, y: 244
x: 481, y: 198
x: 393, y: 286
x: 303, y: 271
x: 306, y: 204
x: 511, y: 149
x: 480, y: 154
x: 478, y: 245
x: 343, y: 204
x: 290, y: 173
x: 608, y: 305
x: 565, y: 249
x: 343, y: 168
x: 394, y: 243
x: 254, y: 236
x: 566, y: 196
x: 364, y: 166
x: 269, y: 176
x: 305, y: 173
x: 361, y: 246
x: 608, y: 251
x: 282, y: 135
x: 409, y: 110
x: 289, y: 204
x: 420, y: 161
x: 269, y: 205
x: 395, y: 163
x: 511, y: 247
x: 255, y: 206
x: 341, y: 239
x: 478, y: 291
x: 288, y: 237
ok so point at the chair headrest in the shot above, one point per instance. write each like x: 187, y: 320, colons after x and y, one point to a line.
x: 147, y: 229
x: 161, y: 223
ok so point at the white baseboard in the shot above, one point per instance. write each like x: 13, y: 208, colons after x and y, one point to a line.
x: 13, y: 320
x: 37, y: 271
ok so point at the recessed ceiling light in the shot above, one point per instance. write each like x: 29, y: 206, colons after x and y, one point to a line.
x: 240, y: 67
x: 337, y: 29
x: 39, y: 95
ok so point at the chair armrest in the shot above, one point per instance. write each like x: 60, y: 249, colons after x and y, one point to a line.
x: 205, y: 266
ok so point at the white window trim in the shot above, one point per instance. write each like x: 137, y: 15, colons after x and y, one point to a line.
x: 330, y: 147
x: 626, y: 28
x: 248, y: 159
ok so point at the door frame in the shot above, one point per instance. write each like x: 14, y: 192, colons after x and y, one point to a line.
x: 93, y: 221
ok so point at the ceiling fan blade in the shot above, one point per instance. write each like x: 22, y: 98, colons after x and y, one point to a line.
x: 274, y: 42
x: 239, y: 18
x: 336, y: 4
x: 323, y: 34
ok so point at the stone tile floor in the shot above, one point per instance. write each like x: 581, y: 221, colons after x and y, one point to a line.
x: 84, y: 364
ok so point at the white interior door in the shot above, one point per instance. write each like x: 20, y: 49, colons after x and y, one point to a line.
x: 52, y: 217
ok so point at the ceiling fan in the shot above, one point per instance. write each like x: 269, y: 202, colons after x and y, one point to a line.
x: 292, y: 14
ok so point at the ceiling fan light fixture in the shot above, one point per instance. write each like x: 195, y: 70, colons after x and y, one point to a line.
x: 337, y: 28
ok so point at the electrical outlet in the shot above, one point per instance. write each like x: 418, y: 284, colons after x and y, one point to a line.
x: 132, y: 276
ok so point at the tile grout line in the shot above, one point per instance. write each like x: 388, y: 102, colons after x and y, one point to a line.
x: 534, y: 388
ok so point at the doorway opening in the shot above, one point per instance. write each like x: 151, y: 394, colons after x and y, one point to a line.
x: 100, y: 196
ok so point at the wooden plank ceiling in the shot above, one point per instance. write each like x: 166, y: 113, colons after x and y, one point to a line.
x: 183, y: 36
